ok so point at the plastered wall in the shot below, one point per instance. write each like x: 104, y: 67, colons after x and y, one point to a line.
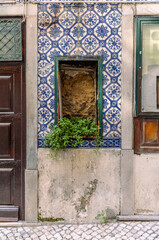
x: 78, y: 184
x: 146, y: 172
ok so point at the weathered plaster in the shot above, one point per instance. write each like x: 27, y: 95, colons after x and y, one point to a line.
x: 127, y: 76
x: 31, y: 85
x: 31, y: 195
x: 31, y: 189
x: 146, y: 172
x: 78, y: 183
x: 139, y: 174
x: 147, y: 9
x: 127, y: 181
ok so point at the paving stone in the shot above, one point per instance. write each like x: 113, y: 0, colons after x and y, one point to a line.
x: 58, y: 236
x: 79, y: 231
x: 89, y: 232
x: 132, y: 238
x: 110, y: 231
x: 75, y: 236
x: 103, y: 234
x: 129, y: 234
x: 71, y: 228
x: 124, y: 238
x: 94, y: 234
x: 95, y: 228
x: 154, y: 235
x: 88, y: 237
x: 68, y: 231
x: 43, y: 237
x: 128, y: 227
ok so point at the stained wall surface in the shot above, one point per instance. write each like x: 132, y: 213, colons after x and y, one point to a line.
x: 146, y: 170
x: 77, y: 184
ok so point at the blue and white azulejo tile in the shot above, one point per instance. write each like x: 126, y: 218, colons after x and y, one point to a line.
x: 80, y: 29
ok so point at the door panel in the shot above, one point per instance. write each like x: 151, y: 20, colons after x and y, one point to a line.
x: 6, y: 93
x: 6, y: 186
x: 5, y: 140
x: 12, y: 140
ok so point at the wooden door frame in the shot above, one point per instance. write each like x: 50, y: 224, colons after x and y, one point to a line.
x: 31, y: 190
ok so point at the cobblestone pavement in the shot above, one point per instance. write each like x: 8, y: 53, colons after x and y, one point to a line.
x: 110, y: 231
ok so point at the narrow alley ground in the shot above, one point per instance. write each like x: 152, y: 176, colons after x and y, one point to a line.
x: 60, y: 231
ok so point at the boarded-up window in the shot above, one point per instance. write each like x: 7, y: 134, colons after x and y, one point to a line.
x: 78, y: 89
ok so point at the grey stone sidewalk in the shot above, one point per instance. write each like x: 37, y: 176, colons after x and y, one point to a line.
x: 110, y: 231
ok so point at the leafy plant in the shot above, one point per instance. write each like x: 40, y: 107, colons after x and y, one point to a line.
x: 102, y: 217
x: 72, y: 132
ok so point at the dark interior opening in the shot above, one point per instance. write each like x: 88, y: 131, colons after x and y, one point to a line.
x: 78, y: 89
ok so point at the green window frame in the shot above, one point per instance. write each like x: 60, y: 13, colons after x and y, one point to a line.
x: 99, y: 90
x: 146, y: 122
x: 139, y: 22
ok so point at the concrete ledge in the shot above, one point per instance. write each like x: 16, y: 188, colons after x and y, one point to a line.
x: 137, y: 218
x: 19, y: 224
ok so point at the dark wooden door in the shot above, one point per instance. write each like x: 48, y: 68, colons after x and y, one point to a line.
x: 12, y: 141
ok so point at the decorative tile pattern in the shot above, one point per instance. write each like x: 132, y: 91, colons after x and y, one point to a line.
x: 108, y: 1
x: 89, y: 29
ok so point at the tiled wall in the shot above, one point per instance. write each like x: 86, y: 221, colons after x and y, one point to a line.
x: 108, y: 1
x: 85, y: 29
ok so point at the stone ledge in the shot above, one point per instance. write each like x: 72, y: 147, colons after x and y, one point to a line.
x: 19, y: 224
x: 137, y: 218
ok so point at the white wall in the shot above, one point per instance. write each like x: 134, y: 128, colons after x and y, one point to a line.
x: 146, y: 179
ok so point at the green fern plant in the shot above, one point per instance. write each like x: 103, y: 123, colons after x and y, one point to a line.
x: 72, y: 132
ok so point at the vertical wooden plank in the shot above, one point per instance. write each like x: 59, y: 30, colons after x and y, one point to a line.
x: 157, y: 89
x: 6, y: 186
x: 151, y: 129
x: 137, y: 132
x: 6, y: 85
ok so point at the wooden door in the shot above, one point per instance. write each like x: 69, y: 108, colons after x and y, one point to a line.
x: 12, y: 141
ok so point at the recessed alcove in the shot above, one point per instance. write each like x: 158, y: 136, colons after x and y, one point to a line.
x: 78, y: 87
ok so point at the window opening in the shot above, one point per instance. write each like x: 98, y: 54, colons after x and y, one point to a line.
x: 79, y: 88
x: 10, y: 39
x: 150, y: 65
x: 146, y: 122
